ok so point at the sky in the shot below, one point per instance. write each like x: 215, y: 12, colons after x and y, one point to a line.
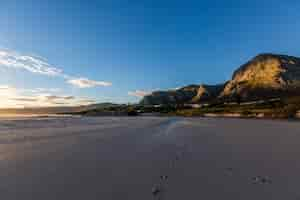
x: 74, y: 52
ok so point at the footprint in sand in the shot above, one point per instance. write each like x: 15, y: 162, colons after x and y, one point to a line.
x: 159, y: 189
x: 156, y: 190
x: 261, y: 180
x: 229, y: 171
x: 254, y: 180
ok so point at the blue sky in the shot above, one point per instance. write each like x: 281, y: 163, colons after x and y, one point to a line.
x: 119, y: 47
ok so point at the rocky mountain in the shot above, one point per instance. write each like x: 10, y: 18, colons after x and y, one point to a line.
x: 207, y: 93
x: 182, y: 95
x: 265, y: 76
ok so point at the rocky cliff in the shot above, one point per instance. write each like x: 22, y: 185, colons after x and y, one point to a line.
x: 182, y: 95
x: 265, y: 76
x: 207, y: 93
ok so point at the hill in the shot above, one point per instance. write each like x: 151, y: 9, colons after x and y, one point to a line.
x: 207, y: 93
x: 56, y: 110
x: 178, y: 96
x: 266, y: 76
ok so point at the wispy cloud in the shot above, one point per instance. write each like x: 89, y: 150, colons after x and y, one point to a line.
x: 4, y: 87
x: 24, y: 99
x: 29, y: 63
x: 55, y: 97
x: 43, y: 90
x: 39, y: 65
x: 86, y: 83
x: 87, y: 101
x: 139, y: 93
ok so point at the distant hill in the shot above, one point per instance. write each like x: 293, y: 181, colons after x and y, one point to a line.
x: 182, y: 95
x: 263, y: 77
x: 56, y: 110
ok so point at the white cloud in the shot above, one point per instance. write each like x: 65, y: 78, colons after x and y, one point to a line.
x: 7, y: 90
x: 86, y: 83
x: 43, y: 90
x: 24, y: 99
x: 38, y: 65
x: 139, y: 93
x: 4, y: 87
x: 85, y: 101
x: 56, y: 97
x: 34, y: 65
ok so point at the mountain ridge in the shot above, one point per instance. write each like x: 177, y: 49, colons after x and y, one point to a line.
x: 265, y: 76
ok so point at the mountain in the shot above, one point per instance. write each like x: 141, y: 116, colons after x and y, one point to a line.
x: 207, y: 93
x: 265, y: 76
x: 178, y: 96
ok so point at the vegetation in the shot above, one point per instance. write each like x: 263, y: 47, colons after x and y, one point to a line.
x: 273, y: 108
x: 113, y: 110
x: 280, y: 108
x: 131, y: 111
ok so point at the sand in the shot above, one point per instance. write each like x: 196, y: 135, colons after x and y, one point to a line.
x: 144, y: 158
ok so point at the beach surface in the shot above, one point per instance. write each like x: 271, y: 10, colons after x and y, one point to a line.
x: 146, y: 158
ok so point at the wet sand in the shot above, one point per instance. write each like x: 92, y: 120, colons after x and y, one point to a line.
x: 149, y: 158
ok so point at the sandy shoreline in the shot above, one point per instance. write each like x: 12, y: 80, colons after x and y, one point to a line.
x: 149, y: 158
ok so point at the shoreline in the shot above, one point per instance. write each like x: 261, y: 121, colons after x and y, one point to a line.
x: 207, y: 115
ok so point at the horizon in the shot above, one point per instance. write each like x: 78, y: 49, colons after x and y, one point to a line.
x: 58, y: 53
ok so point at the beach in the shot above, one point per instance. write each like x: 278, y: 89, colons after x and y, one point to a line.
x: 141, y: 158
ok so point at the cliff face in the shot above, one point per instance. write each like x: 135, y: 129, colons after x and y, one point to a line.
x: 188, y: 94
x: 181, y: 95
x: 207, y: 93
x: 265, y: 76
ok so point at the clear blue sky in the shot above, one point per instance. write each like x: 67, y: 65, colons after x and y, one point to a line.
x: 142, y: 44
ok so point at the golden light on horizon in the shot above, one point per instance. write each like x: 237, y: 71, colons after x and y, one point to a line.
x: 11, y: 97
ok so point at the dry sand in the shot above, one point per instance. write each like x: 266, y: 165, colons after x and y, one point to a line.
x: 149, y: 158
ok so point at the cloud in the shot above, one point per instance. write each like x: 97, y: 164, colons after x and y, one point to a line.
x: 24, y: 99
x: 11, y: 97
x: 29, y: 63
x: 55, y: 97
x: 177, y: 88
x: 7, y: 91
x: 139, y: 93
x: 68, y: 97
x: 86, y: 83
x: 4, y: 87
x: 87, y: 101
x: 39, y: 65
x: 45, y: 90
x: 60, y: 103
